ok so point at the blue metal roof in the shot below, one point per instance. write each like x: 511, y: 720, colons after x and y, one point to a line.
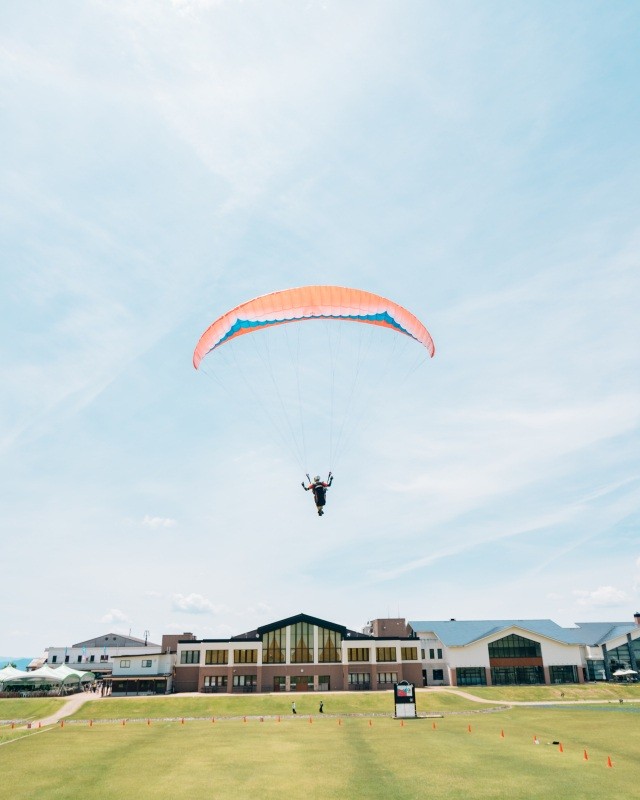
x: 457, y: 633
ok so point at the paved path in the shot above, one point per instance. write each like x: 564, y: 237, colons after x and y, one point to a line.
x: 72, y: 704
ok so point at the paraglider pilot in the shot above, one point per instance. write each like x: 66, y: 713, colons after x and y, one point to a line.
x: 319, y: 489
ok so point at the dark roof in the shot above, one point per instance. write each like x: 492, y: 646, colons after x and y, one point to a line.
x: 282, y: 623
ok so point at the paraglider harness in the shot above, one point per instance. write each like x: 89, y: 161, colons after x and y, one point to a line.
x: 319, y: 489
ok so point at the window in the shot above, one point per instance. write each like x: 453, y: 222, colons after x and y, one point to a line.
x: 190, y: 657
x: 146, y: 662
x: 215, y: 680
x: 245, y: 680
x: 330, y: 644
x: 274, y: 644
x: 385, y: 653
x: 360, y: 679
x: 439, y: 654
x: 92, y: 659
x: 438, y: 674
x: 409, y: 653
x: 104, y: 657
x: 79, y: 659
x: 471, y: 676
x: 216, y: 657
x: 125, y: 663
x: 432, y: 653
x: 54, y: 659
x: 387, y: 677
x: 358, y: 654
x: 508, y: 676
x: 422, y: 655
x: 302, y: 643
x: 563, y: 674
x: 245, y: 657
x: 66, y: 659
x: 513, y: 646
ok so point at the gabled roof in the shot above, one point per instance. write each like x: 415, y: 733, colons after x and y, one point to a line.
x: 115, y: 640
x: 458, y: 633
x: 283, y: 623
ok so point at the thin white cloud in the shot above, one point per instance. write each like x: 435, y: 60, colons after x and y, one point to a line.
x: 158, y: 522
x: 193, y: 604
x: 602, y: 597
x: 114, y: 616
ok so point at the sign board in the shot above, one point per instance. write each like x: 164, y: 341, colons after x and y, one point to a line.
x: 404, y: 695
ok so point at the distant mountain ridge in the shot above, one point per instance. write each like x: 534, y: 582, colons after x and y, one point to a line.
x: 21, y: 663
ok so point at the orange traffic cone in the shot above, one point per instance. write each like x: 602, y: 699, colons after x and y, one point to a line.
x: 502, y: 734
x: 586, y: 756
x: 609, y: 763
x: 561, y: 748
x: 469, y: 728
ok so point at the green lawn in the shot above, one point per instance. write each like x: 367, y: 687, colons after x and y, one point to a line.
x: 572, y: 691
x: 27, y: 708
x: 224, y: 705
x: 335, y: 757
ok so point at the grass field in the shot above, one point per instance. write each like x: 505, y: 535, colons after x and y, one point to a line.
x: 351, y: 752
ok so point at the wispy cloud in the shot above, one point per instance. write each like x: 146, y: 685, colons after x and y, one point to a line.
x: 194, y: 604
x: 602, y: 597
x: 158, y: 522
x: 113, y: 616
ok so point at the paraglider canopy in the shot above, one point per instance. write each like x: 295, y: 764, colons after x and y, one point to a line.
x: 311, y: 302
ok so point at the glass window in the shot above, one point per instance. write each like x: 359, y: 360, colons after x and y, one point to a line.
x: 563, y: 674
x: 509, y: 676
x: 245, y: 657
x: 245, y: 680
x: 432, y: 653
x: 216, y: 657
x: 438, y: 674
x: 190, y: 657
x: 514, y: 646
x: 439, y: 654
x: 302, y: 643
x: 92, y: 659
x: 274, y: 645
x: 360, y: 680
x: 54, y: 659
x: 358, y: 654
x: 471, y: 676
x: 409, y: 653
x: 125, y: 663
x: 146, y: 662
x: 215, y: 680
x: 385, y: 654
x: 330, y: 643
x: 387, y: 677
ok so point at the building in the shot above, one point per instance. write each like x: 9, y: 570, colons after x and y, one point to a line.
x: 502, y: 652
x: 99, y: 654
x: 298, y: 654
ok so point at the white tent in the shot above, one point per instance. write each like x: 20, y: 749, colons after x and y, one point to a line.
x: 62, y: 675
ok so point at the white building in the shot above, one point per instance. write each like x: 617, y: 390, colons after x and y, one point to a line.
x: 538, y: 651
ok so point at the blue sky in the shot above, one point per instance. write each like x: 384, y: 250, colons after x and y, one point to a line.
x: 161, y: 162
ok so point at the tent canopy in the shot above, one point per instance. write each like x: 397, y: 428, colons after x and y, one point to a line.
x: 62, y: 675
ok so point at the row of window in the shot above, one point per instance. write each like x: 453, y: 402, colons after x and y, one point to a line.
x: 125, y: 663
x: 509, y: 676
x: 90, y: 660
x: 354, y: 654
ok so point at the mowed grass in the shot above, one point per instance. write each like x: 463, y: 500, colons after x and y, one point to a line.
x: 28, y: 708
x: 577, y: 691
x: 224, y: 705
x: 335, y: 757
